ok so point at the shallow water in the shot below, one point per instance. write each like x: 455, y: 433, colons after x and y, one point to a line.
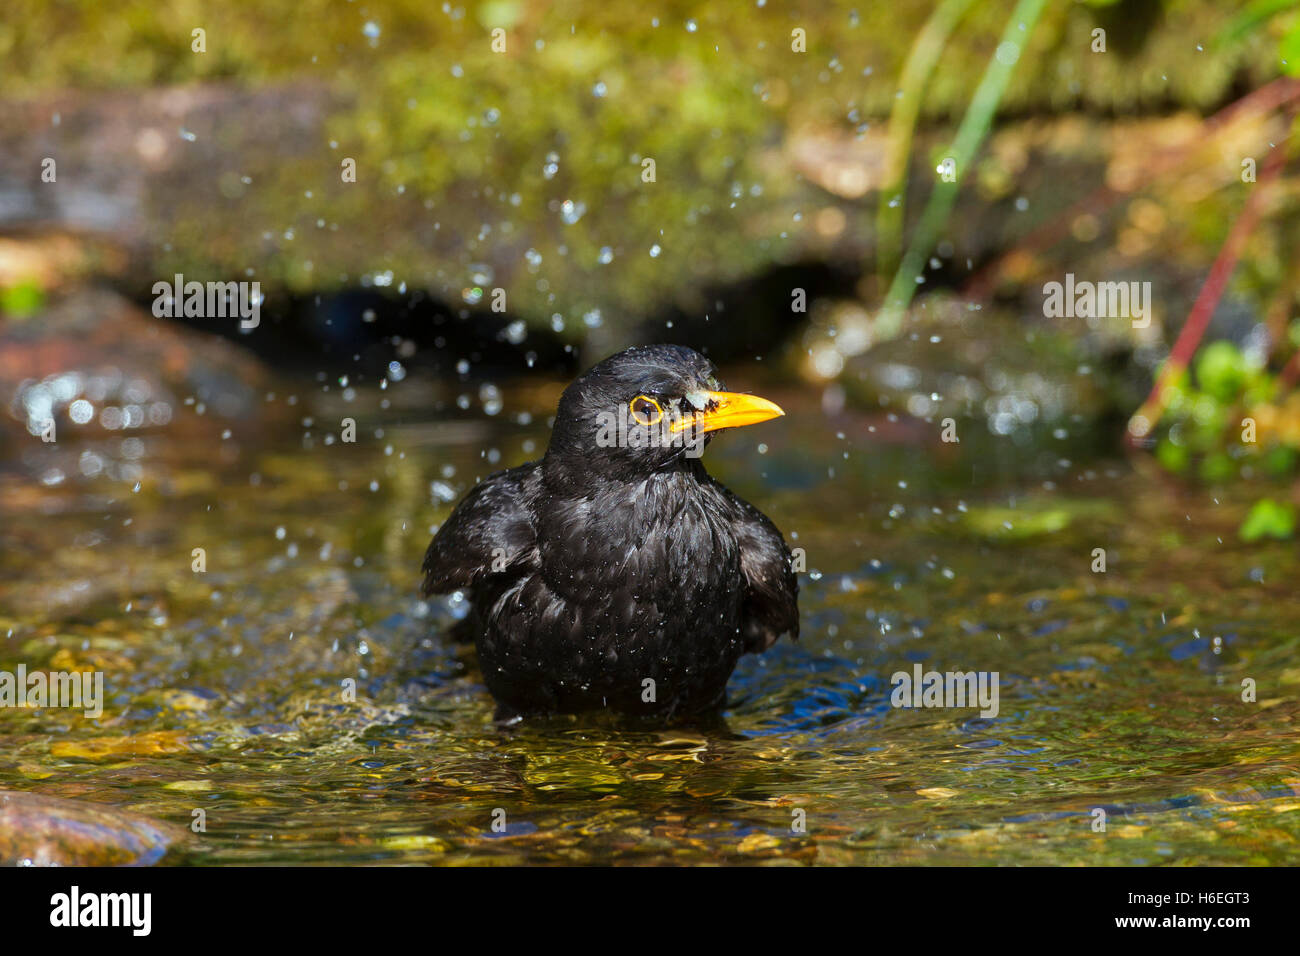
x: 1119, y: 690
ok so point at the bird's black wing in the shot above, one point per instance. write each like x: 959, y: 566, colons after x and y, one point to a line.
x: 771, y: 588
x: 490, y: 532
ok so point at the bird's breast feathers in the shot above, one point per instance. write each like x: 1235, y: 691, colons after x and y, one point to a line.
x: 655, y: 535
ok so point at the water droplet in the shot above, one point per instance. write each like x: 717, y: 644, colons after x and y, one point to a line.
x: 571, y: 212
x: 1008, y: 53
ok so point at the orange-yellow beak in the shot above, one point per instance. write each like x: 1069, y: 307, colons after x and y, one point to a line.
x: 729, y: 410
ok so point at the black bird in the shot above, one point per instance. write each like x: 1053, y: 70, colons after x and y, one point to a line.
x: 615, y: 574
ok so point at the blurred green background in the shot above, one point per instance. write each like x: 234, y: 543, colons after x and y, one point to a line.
x: 793, y: 145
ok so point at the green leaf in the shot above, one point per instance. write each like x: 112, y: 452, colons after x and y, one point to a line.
x: 1218, y: 467
x: 1280, y: 461
x: 1269, y: 519
x: 1288, y: 51
x: 1173, y: 457
x: 1221, y: 370
x: 23, y: 300
x: 1251, y: 17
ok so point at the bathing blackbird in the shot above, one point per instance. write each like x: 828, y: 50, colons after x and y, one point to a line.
x: 615, y: 574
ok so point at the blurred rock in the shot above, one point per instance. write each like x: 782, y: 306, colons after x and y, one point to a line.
x: 37, y: 830
x: 97, y: 366
x: 122, y: 157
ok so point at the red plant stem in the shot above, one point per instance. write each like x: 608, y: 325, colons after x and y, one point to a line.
x: 1263, y: 100
x: 1146, y: 417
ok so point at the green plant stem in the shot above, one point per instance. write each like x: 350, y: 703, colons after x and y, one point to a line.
x: 970, y: 135
x: 917, y: 70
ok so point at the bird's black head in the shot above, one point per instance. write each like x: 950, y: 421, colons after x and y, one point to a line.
x: 645, y: 409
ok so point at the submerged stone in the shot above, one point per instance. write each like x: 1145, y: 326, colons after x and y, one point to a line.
x: 37, y: 830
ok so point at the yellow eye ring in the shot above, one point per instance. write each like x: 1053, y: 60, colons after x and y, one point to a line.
x: 645, y: 410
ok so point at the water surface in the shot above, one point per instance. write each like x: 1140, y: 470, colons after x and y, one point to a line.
x: 1119, y: 690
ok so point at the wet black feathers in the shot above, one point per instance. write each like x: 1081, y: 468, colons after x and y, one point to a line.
x: 624, y: 579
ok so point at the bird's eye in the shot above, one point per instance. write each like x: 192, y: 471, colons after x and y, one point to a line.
x: 645, y: 410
